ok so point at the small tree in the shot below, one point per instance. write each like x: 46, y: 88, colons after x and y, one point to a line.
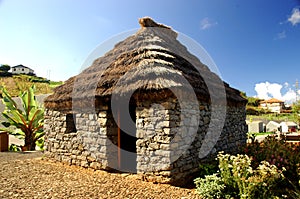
x: 29, y: 120
x: 4, y: 71
x: 296, y: 107
x: 253, y: 101
x: 4, y: 68
x: 296, y: 110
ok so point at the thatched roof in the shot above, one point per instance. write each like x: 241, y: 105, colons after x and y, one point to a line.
x: 150, y: 60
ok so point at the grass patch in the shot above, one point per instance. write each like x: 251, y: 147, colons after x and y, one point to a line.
x: 263, y: 133
x: 18, y: 83
x: 54, y: 84
x: 275, y: 117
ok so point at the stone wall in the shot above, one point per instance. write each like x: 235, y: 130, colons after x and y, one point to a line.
x: 89, y: 146
x: 165, y: 133
x: 168, y: 140
x: 169, y: 143
x: 234, y: 132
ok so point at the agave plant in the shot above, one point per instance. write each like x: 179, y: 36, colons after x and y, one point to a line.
x: 28, y: 120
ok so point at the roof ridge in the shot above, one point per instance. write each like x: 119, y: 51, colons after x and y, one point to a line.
x: 149, y: 22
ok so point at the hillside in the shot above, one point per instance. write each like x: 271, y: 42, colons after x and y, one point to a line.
x: 19, y: 83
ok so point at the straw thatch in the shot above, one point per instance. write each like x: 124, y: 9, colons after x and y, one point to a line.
x: 150, y: 60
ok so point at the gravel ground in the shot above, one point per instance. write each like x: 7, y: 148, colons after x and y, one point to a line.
x: 26, y: 175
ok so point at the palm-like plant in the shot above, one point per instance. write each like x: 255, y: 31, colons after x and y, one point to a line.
x: 29, y: 120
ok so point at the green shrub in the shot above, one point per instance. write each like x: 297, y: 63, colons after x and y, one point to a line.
x: 238, y: 179
x: 210, y: 187
x: 264, y: 182
x: 235, y: 170
x: 40, y: 143
x: 208, y: 168
x: 286, y: 156
x: 5, y: 74
x: 29, y: 119
x: 270, y: 169
x: 238, y: 175
x: 14, y: 148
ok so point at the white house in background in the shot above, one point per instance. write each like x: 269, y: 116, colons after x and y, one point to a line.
x: 288, y: 127
x: 274, y: 105
x: 255, y: 126
x: 272, y: 126
x: 20, y: 69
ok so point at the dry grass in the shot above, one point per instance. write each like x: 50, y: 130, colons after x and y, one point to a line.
x: 19, y: 83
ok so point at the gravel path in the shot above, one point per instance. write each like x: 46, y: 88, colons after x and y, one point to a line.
x: 26, y: 175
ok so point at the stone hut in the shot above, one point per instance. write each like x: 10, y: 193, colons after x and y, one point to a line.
x: 148, y: 106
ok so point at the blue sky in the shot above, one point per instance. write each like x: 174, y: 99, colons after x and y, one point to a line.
x: 255, y: 44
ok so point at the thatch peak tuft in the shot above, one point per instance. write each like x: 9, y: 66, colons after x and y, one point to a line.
x: 149, y: 22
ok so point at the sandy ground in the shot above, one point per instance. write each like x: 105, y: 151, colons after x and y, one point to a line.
x: 27, y: 175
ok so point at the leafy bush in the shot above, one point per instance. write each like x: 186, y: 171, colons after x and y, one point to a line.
x: 14, y: 148
x: 208, y: 168
x: 270, y: 169
x: 5, y: 67
x: 5, y: 74
x: 253, y: 101
x: 252, y: 111
x: 286, y: 156
x: 40, y: 143
x: 38, y: 79
x: 264, y: 182
x: 296, y: 107
x: 29, y: 119
x: 237, y: 174
x: 238, y: 179
x: 210, y: 187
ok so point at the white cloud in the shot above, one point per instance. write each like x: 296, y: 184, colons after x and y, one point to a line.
x: 261, y: 91
x: 286, y: 84
x: 280, y: 35
x: 267, y: 90
x: 207, y: 23
x: 295, y: 17
x: 289, y: 96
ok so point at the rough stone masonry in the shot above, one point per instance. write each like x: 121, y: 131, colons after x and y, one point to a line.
x: 94, y: 142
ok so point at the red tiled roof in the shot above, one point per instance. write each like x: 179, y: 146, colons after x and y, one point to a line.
x: 272, y: 100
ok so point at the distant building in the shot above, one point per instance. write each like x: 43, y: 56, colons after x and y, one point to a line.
x: 20, y: 69
x: 288, y: 127
x: 274, y: 105
x: 272, y: 126
x: 255, y: 126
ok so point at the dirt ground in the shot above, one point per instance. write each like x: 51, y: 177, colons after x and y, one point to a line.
x: 27, y: 175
